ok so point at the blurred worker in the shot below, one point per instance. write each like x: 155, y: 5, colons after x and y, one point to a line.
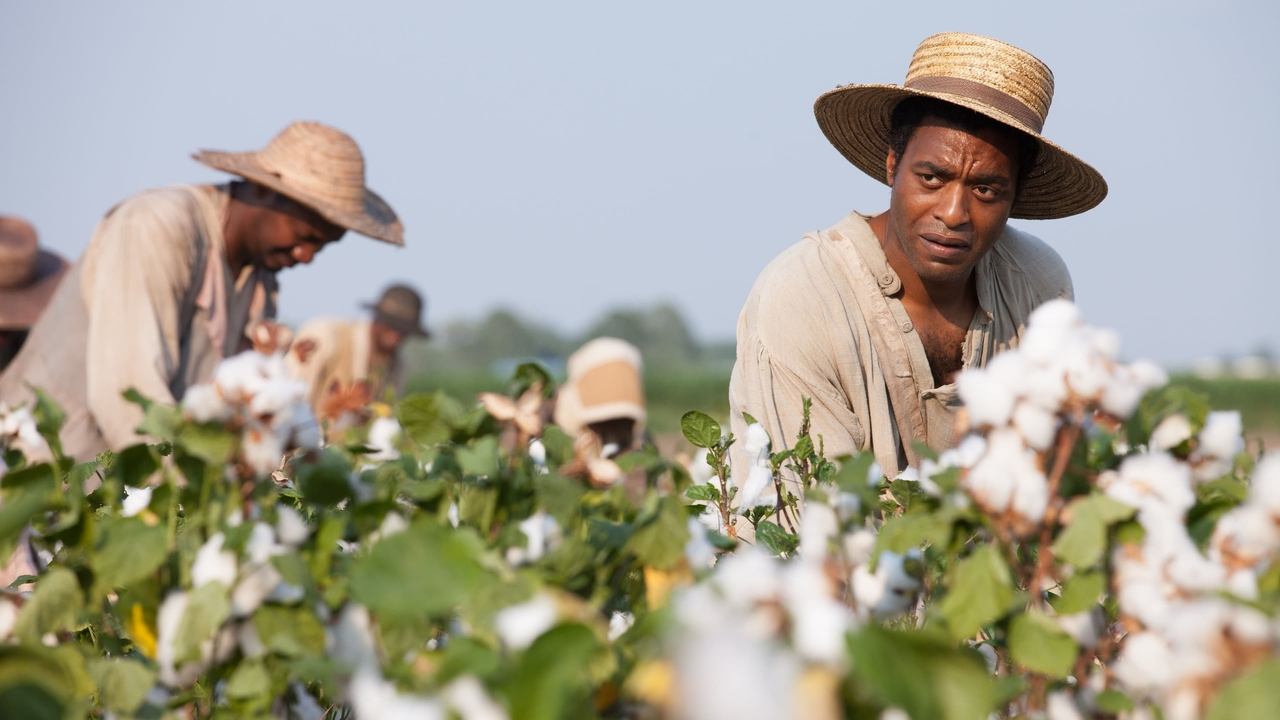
x: 332, y: 355
x: 28, y: 277
x: 604, y: 394
x: 172, y: 278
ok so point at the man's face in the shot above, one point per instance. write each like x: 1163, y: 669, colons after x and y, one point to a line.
x: 951, y: 196
x: 288, y: 233
x: 386, y: 339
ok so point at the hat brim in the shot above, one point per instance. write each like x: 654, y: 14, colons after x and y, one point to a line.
x: 376, y: 220
x: 20, y: 307
x: 856, y: 119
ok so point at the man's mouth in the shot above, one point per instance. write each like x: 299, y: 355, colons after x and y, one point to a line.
x: 945, y: 246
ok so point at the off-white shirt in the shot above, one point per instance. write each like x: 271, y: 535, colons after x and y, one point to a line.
x: 825, y: 320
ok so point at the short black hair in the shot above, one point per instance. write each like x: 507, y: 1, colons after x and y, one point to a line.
x: 909, y: 113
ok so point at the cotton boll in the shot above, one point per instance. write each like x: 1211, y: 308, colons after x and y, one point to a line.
x: 261, y: 450
x: 1061, y: 705
x: 203, y: 403
x: 988, y: 401
x: 304, y: 706
x: 384, y: 433
x: 290, y: 527
x: 1152, y: 478
x: 1245, y: 536
x: 757, y: 443
x: 818, y: 622
x: 135, y: 500
x: 747, y: 575
x: 818, y: 525
x: 213, y: 564
x: 538, y: 454
x: 1143, y: 667
x: 759, y: 478
x: 1036, y: 425
x: 1084, y: 627
x: 619, y: 623
x: 392, y: 523
x: 1030, y: 495
x: 1265, y: 488
x: 1171, y: 432
x: 466, y: 696
x: 240, y: 377
x: 542, y: 535
x: 373, y: 697
x: 1222, y: 435
x: 519, y: 625
x: 889, y: 591
x: 858, y: 546
x: 1008, y: 473
x: 699, y: 552
x: 256, y: 585
x: 262, y: 543
x: 168, y: 621
x: 349, y: 640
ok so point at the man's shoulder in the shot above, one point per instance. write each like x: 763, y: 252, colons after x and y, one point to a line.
x: 1023, y: 255
x: 172, y: 201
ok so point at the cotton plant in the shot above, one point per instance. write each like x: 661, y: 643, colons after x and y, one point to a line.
x: 19, y: 434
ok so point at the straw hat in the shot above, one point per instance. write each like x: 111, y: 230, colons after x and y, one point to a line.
x: 28, y: 275
x: 987, y: 76
x: 604, y: 384
x: 320, y: 167
x: 400, y: 307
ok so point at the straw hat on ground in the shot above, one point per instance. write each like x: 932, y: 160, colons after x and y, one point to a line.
x: 987, y: 76
x: 400, y: 307
x: 320, y: 167
x: 28, y: 274
x: 604, y: 384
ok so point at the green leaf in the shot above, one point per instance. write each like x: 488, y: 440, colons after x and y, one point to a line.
x: 1160, y: 404
x: 209, y: 442
x: 1038, y: 644
x: 979, y: 591
x: 1113, y: 701
x: 749, y: 419
x: 425, y: 570
x: 290, y: 631
x: 54, y: 607
x: 700, y: 429
x: 549, y: 683
x: 1085, y: 538
x: 1080, y: 593
x: 325, y: 482
x: 421, y: 419
x: 21, y: 503
x: 480, y: 458
x: 249, y: 681
x: 123, y: 684
x: 1255, y: 695
x: 135, y: 465
x: 924, y: 676
x: 779, y: 541
x: 207, y: 607
x: 560, y: 496
x: 915, y: 530
x: 703, y: 493
x: 558, y: 444
x: 128, y: 550
x: 35, y: 684
x: 660, y: 541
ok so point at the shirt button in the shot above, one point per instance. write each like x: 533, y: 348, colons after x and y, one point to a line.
x: 886, y: 280
x: 907, y: 326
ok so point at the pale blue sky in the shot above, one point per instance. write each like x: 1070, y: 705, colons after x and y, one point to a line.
x: 559, y: 158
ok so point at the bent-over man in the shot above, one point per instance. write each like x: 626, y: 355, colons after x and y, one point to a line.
x: 172, y: 278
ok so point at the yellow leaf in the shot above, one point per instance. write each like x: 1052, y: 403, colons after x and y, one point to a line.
x: 658, y: 584
x: 141, y: 632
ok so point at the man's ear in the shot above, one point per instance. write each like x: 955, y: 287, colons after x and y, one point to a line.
x: 890, y: 167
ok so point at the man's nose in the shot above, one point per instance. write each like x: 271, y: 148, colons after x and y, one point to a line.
x: 953, y: 206
x: 305, y: 252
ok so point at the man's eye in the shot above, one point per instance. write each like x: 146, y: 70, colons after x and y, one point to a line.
x: 987, y: 192
x: 929, y: 178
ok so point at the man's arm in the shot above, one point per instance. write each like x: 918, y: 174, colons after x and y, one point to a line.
x: 138, y: 270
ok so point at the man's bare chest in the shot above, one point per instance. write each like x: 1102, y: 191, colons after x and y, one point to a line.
x: 944, y: 347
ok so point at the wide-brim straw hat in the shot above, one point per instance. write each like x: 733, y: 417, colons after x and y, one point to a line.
x: 400, y: 307
x: 989, y: 77
x: 605, y: 383
x: 320, y: 167
x: 29, y: 275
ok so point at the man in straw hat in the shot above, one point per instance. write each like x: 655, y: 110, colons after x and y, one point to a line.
x: 334, y: 355
x: 28, y: 277
x: 172, y: 278
x: 873, y: 317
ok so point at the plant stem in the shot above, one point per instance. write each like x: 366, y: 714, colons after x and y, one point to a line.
x: 1066, y: 442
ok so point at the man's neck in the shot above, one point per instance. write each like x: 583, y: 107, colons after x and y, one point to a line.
x: 235, y: 234
x: 952, y: 299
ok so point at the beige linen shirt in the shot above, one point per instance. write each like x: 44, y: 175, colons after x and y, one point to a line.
x: 825, y: 321
x: 150, y: 305
x: 338, y: 351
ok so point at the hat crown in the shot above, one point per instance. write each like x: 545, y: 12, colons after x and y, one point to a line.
x: 986, y: 70
x: 320, y: 160
x: 18, y: 252
x: 401, y: 302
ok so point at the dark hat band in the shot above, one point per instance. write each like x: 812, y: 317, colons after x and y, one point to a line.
x: 985, y: 94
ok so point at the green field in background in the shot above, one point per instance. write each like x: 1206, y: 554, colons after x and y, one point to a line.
x: 673, y: 392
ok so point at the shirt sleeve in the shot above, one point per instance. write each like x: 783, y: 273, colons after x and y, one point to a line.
x: 783, y: 357
x: 137, y: 274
